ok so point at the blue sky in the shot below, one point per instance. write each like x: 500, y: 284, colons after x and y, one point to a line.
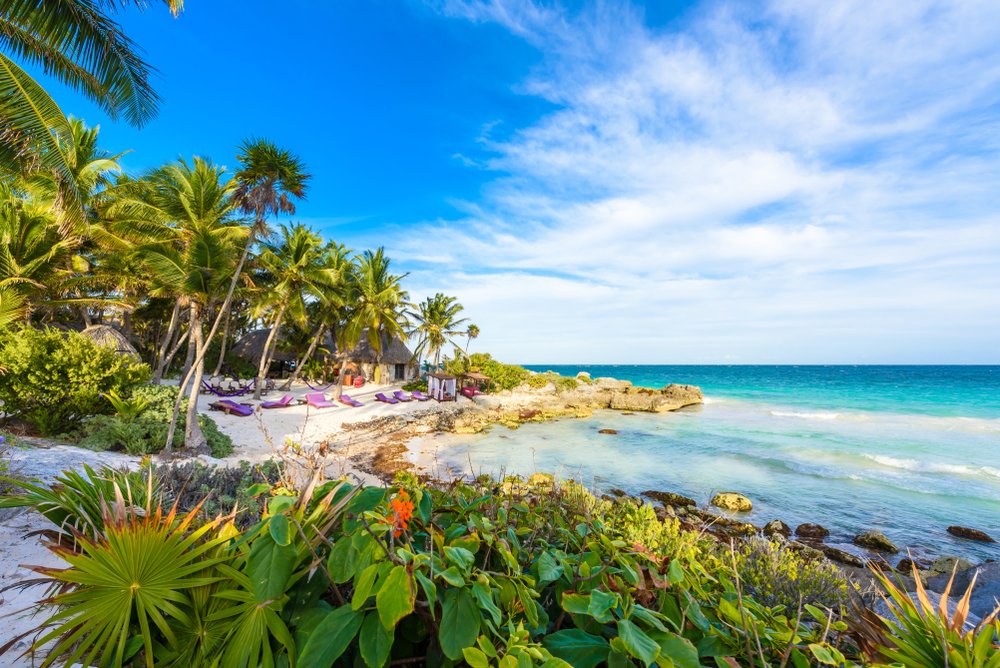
x: 789, y: 181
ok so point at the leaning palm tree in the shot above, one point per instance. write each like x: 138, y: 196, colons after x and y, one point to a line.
x: 437, y: 323
x: 379, y: 308
x: 78, y: 43
x: 296, y: 269
x: 471, y: 332
x: 194, y: 206
x: 268, y: 181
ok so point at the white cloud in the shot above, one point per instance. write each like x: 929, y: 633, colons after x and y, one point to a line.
x: 812, y: 182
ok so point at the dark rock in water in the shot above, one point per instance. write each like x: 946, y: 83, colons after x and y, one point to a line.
x: 626, y: 413
x: 728, y: 526
x: 840, y: 556
x: 614, y: 491
x: 807, y: 551
x: 669, y: 498
x: 777, y: 528
x: 812, y: 531
x: 906, y: 564
x: 874, y: 539
x: 970, y: 534
x: 732, y: 501
x: 607, y: 431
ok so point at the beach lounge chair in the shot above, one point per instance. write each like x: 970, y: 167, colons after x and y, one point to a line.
x: 470, y: 391
x: 231, y: 407
x: 419, y: 396
x: 348, y: 401
x: 389, y: 400
x: 284, y: 402
x: 402, y: 396
x: 319, y: 400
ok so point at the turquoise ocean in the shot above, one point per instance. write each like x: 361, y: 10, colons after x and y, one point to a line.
x: 909, y: 450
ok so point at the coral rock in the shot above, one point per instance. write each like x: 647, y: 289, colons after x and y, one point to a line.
x: 732, y: 501
x: 875, y: 540
x: 812, y: 531
x: 777, y: 528
x: 970, y: 534
x: 669, y: 498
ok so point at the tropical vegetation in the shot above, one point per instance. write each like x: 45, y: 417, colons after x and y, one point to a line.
x: 483, y: 573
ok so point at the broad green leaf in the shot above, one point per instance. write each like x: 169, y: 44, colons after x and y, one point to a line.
x: 375, y: 641
x: 279, y: 503
x: 475, y: 657
x: 395, y: 597
x: 601, y: 603
x: 459, y: 622
x: 460, y: 557
x: 452, y: 576
x: 577, y: 604
x: 549, y: 569
x: 363, y: 587
x: 424, y: 507
x: 484, y: 596
x: 639, y: 645
x: 269, y: 566
x: 330, y: 638
x: 579, y: 648
x: 430, y: 591
x: 677, y: 648
x: 366, y: 500
x: 675, y: 572
x: 343, y: 561
x: 278, y: 527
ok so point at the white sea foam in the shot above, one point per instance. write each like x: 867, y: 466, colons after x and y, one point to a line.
x: 933, y: 467
x: 817, y: 415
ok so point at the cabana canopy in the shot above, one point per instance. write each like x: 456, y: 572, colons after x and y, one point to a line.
x: 442, y: 386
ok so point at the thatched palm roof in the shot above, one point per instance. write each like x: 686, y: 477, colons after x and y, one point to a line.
x: 109, y: 337
x: 251, y: 346
x: 393, y: 352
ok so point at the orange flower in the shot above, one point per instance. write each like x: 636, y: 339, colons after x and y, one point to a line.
x: 402, y: 511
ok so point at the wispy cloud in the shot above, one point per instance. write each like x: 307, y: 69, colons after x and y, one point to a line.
x: 807, y: 182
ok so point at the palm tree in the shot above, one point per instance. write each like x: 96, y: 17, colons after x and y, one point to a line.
x: 78, y: 43
x: 268, y: 180
x: 471, y: 332
x: 195, y: 210
x: 329, y: 309
x: 296, y: 270
x: 378, y: 313
x: 437, y: 322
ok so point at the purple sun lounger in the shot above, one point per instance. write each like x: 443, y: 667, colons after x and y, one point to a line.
x: 319, y: 400
x: 231, y: 407
x: 402, y: 396
x: 388, y: 400
x: 347, y: 401
x: 284, y: 402
x: 420, y: 396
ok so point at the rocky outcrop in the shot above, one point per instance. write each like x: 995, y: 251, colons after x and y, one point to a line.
x: 669, y: 498
x: 813, y: 531
x: 669, y: 398
x: 777, y: 528
x: 842, y: 556
x: 732, y: 501
x: 947, y: 565
x: 970, y: 534
x: 875, y: 540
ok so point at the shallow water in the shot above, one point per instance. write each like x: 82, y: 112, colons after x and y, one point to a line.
x: 908, y: 450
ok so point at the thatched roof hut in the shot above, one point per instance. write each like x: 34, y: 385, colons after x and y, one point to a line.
x: 393, y: 352
x: 251, y: 347
x: 109, y: 337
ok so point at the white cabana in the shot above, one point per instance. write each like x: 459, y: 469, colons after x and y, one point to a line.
x: 442, y: 386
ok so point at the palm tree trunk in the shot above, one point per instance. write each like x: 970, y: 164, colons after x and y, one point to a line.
x: 211, y: 335
x: 340, y: 377
x: 173, y: 351
x: 192, y: 348
x: 168, y: 338
x: 185, y: 381
x: 309, y: 353
x: 265, y: 355
x: 194, y: 439
x: 225, y: 339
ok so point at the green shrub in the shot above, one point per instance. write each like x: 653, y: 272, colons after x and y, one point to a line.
x: 774, y: 574
x: 54, y: 380
x: 416, y: 386
x: 537, y: 381
x: 564, y: 384
x: 504, y: 376
x: 145, y: 433
x: 220, y: 489
x: 496, y: 573
x: 7, y: 445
